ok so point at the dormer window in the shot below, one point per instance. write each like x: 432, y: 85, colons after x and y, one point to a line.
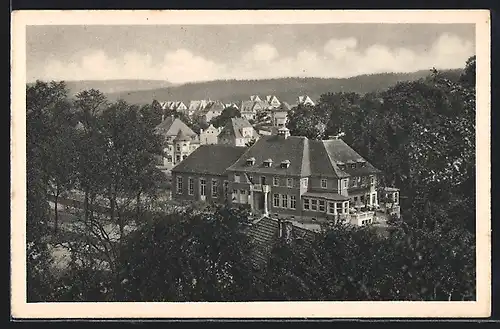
x: 268, y: 163
x: 353, y: 165
x: 285, y: 164
x: 250, y: 161
x: 361, y: 163
x: 341, y: 165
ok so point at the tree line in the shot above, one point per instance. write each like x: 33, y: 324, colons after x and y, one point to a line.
x: 142, y: 250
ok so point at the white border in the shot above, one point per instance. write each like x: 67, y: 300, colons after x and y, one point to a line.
x: 21, y: 309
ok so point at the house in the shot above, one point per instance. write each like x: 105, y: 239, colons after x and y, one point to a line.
x: 279, y: 115
x: 249, y: 109
x: 202, y: 175
x: 195, y: 106
x: 273, y: 101
x: 389, y: 201
x: 178, y: 141
x: 209, y: 135
x: 305, y: 100
x: 174, y: 105
x: 255, y: 98
x: 309, y: 180
x: 211, y: 110
x: 237, y: 132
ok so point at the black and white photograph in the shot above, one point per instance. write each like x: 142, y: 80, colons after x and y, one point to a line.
x: 314, y: 164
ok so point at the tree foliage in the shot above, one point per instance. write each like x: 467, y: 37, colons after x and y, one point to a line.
x: 225, y: 116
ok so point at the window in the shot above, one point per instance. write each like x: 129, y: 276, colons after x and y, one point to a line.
x: 289, y: 182
x: 353, y: 166
x: 321, y: 205
x: 250, y: 178
x: 178, y: 158
x: 184, y: 157
x: 345, y: 207
x: 276, y: 200
x: 169, y: 158
x: 226, y: 185
x: 284, y: 201
x: 191, y: 186
x: 268, y: 163
x: 314, y: 205
x: 306, y: 204
x: 203, y: 187
x: 293, y: 202
x: 236, y: 178
x: 235, y: 192
x: 179, y: 185
x: 304, y: 182
x: 178, y: 147
x: 346, y: 181
x: 338, y: 206
x: 372, y: 178
x: 362, y: 199
x: 276, y: 181
x: 331, y: 207
x: 355, y: 199
x: 323, y: 183
x: 215, y: 188
x: 354, y: 182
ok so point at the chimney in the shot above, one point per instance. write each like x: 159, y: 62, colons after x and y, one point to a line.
x: 286, y: 227
x: 284, y: 132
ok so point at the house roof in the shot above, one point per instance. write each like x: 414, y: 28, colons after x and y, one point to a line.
x: 278, y: 149
x: 234, y: 128
x: 212, y: 106
x: 307, y: 157
x: 181, y: 136
x: 264, y: 233
x: 171, y: 126
x: 339, y: 151
x: 210, y: 159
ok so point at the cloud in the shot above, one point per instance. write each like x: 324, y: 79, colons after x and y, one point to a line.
x: 337, y: 58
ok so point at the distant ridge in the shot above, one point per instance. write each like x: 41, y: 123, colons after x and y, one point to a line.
x: 114, y: 86
x: 286, y: 89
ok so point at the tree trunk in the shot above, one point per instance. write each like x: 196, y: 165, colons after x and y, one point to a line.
x: 86, y: 204
x: 56, y: 211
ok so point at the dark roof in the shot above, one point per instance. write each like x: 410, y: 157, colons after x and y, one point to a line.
x: 264, y: 234
x: 326, y: 195
x: 210, y: 159
x: 234, y: 127
x: 339, y: 151
x: 171, y: 126
x: 293, y: 148
x: 181, y: 136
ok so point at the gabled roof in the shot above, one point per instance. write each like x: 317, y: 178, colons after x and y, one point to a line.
x: 212, y: 106
x: 210, y: 159
x: 181, y: 136
x: 284, y: 107
x: 339, y: 152
x: 254, y: 98
x: 171, y: 126
x: 278, y: 149
x: 234, y: 128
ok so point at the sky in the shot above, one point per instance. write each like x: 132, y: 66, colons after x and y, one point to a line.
x: 193, y: 53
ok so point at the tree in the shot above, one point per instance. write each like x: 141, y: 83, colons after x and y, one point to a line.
x: 304, y: 120
x: 191, y: 256
x: 225, y: 116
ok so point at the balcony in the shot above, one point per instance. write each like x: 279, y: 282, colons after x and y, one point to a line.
x: 260, y: 188
x: 359, y: 218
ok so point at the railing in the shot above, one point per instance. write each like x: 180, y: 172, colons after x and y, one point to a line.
x: 362, y: 216
x: 259, y: 188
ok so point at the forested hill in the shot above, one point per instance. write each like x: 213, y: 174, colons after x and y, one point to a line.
x: 114, y: 86
x: 286, y: 89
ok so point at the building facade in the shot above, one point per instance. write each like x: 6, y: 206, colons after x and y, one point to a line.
x: 178, y: 141
x: 209, y: 135
x: 294, y: 177
x: 237, y: 132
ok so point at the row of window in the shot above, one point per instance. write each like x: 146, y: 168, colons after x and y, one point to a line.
x: 177, y: 158
x: 203, y: 186
x: 329, y: 207
x: 284, y: 201
x: 290, y: 182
